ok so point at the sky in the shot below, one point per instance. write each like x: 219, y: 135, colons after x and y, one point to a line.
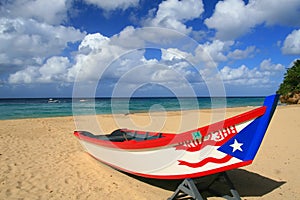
x: 105, y: 48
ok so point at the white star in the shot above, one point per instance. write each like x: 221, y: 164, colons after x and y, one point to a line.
x: 236, y: 146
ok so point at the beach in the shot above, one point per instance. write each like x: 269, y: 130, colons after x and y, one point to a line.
x: 41, y: 159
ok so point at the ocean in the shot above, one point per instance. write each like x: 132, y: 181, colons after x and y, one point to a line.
x: 41, y: 107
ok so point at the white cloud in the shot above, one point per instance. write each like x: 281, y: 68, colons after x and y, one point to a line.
x: 242, y: 54
x: 232, y: 18
x: 211, y: 53
x: 95, y: 54
x: 28, y: 75
x: 122, y: 58
x: 266, y: 74
x: 173, y: 13
x: 54, y: 70
x: 267, y: 65
x: 30, y: 33
x: 93, y: 42
x: 152, y: 37
x: 40, y: 10
x: 129, y: 37
x: 111, y: 59
x: 243, y: 75
x: 28, y: 42
x: 109, y: 5
x: 100, y: 58
x: 108, y: 59
x: 291, y: 43
x: 173, y: 54
x: 283, y: 12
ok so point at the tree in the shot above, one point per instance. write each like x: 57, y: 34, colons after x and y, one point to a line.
x: 291, y: 81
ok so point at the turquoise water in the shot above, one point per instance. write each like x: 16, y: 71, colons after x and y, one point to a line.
x: 36, y: 108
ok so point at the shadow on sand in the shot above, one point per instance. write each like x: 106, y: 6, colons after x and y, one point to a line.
x: 245, y: 182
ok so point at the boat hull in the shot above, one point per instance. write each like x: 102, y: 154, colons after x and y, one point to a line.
x: 221, y: 146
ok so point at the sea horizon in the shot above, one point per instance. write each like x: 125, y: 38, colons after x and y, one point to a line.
x: 134, y: 97
x: 20, y: 108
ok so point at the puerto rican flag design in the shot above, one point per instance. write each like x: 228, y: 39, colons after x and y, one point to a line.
x: 230, y: 150
x: 238, y: 148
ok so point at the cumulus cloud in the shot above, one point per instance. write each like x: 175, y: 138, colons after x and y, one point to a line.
x: 28, y: 42
x: 173, y: 13
x: 244, y: 75
x: 107, y: 58
x: 121, y: 57
x: 238, y: 54
x: 173, y: 54
x: 129, y: 38
x: 111, y: 60
x: 291, y: 43
x: 132, y: 38
x: 54, y: 70
x: 125, y: 70
x: 267, y: 65
x: 40, y: 10
x: 95, y: 53
x: 211, y: 53
x: 233, y: 18
x: 28, y: 75
x: 230, y: 19
x: 109, y: 5
x: 283, y: 12
x: 99, y: 57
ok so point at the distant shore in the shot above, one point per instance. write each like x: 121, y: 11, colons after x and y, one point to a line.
x: 41, y: 159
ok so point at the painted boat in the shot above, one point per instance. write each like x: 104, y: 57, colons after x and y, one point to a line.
x: 222, y: 146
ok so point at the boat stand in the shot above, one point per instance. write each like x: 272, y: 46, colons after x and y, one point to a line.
x: 188, y: 187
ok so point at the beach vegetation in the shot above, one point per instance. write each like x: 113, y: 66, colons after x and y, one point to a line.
x: 291, y: 81
x: 290, y: 87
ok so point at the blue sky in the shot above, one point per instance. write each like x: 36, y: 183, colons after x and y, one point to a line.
x: 147, y: 48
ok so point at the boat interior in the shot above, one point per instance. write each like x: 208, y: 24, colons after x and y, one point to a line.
x: 121, y: 135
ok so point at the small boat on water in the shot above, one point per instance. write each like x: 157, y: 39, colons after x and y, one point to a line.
x: 215, y: 148
x: 53, y: 101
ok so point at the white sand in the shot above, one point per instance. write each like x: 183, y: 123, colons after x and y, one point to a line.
x: 41, y: 159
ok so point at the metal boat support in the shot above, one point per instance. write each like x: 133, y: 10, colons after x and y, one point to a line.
x: 189, y: 187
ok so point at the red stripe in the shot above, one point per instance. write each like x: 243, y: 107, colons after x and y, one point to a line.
x: 205, y: 161
x: 173, y: 139
x: 181, y: 176
x: 238, y: 119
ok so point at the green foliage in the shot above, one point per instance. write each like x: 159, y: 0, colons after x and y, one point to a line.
x: 291, y: 82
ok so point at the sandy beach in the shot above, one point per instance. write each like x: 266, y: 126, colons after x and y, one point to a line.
x: 41, y: 159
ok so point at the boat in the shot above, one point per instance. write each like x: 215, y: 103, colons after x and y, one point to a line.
x: 53, y: 101
x: 83, y: 100
x: 211, y: 149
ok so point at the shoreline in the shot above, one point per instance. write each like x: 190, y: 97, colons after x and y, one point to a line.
x: 41, y: 159
x: 156, y: 112
x: 140, y: 112
x: 37, y: 108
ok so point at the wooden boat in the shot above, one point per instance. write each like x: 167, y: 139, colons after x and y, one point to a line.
x: 211, y: 149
